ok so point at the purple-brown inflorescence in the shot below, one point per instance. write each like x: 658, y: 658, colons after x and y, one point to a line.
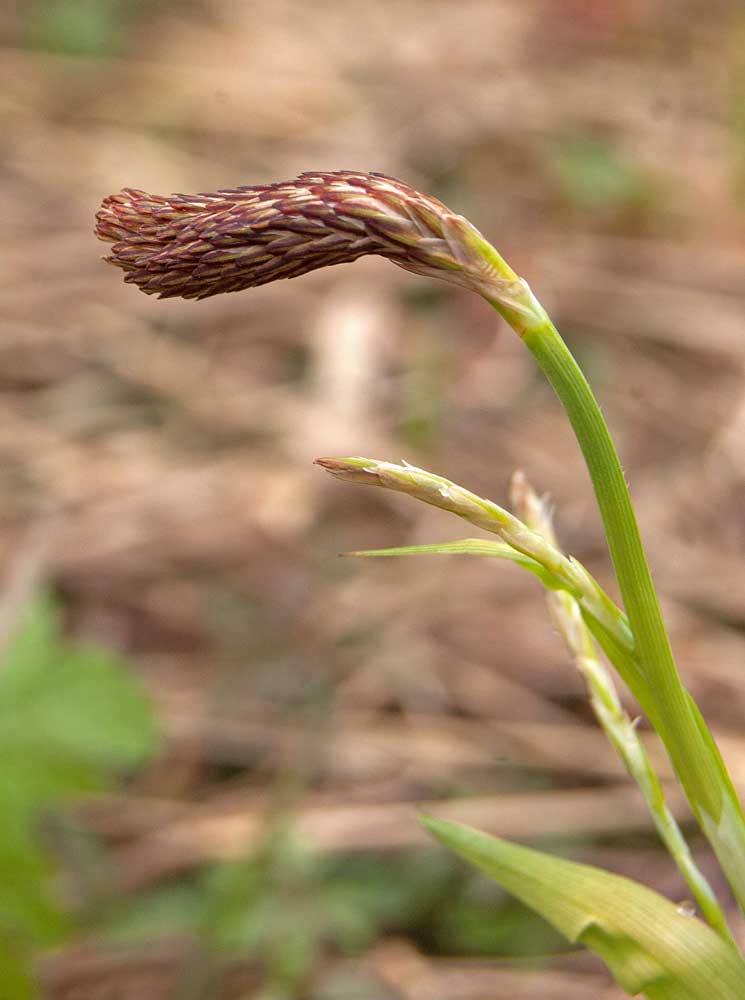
x: 195, y: 246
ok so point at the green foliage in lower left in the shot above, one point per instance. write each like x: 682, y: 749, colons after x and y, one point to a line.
x: 71, y: 717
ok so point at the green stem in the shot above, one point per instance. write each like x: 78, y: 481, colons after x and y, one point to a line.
x: 689, y: 744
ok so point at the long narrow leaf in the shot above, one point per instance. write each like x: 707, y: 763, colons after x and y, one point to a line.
x: 615, y: 643
x: 471, y: 547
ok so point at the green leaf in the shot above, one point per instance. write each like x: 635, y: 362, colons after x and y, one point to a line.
x: 17, y: 978
x: 471, y: 547
x: 646, y: 943
x: 90, y: 708
x: 71, y: 705
x: 69, y: 716
x: 27, y: 905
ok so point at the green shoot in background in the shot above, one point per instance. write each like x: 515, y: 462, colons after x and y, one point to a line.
x: 71, y: 717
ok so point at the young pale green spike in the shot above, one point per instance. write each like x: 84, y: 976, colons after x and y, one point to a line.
x: 440, y: 492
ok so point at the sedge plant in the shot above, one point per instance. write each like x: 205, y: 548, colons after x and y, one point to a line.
x: 202, y: 245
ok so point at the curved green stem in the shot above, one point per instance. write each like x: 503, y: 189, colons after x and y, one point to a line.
x: 690, y: 746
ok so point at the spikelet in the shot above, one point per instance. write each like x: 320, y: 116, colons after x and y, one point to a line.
x: 194, y: 246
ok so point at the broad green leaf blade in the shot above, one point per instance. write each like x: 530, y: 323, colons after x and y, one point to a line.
x: 471, y: 547
x: 69, y: 717
x: 70, y: 704
x: 646, y: 943
x: 92, y: 708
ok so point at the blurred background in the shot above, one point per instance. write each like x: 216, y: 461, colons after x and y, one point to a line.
x: 258, y: 719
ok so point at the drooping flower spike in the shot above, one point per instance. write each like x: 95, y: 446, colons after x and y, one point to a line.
x: 195, y: 246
